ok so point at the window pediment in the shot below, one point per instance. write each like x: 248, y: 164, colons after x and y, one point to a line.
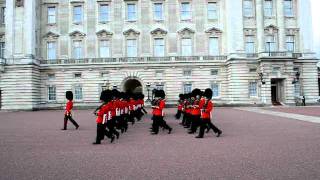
x: 292, y: 31
x: 51, y: 35
x: 158, y: 31
x: 186, y: 31
x: 214, y: 31
x: 271, y: 29
x: 77, y: 34
x: 104, y: 33
x: 131, y: 32
x: 250, y: 32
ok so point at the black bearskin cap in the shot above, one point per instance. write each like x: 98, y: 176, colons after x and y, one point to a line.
x: 208, y: 93
x: 69, y: 95
x: 106, y: 95
x: 196, y: 92
x: 115, y: 93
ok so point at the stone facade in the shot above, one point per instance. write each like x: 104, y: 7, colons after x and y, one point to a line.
x: 261, y: 77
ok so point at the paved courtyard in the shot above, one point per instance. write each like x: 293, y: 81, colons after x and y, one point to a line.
x: 253, y: 146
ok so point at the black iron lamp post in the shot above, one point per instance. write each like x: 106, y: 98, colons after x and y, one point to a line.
x: 148, y: 89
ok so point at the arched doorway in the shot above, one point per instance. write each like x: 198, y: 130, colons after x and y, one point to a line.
x: 132, y: 85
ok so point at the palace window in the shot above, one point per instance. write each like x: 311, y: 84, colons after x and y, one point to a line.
x: 268, y: 8
x: 214, y: 46
x: 215, y: 90
x: 288, y: 8
x: 253, y: 89
x: 77, y: 49
x: 77, y: 14
x: 131, y: 12
x: 2, y: 49
x: 248, y: 8
x: 158, y: 47
x: 212, y: 11
x: 187, y: 88
x: 271, y: 45
x: 51, y: 50
x: 51, y: 15
x: 185, y: 11
x: 78, y: 92
x: 290, y: 43
x: 3, y: 15
x: 214, y: 72
x: 104, y: 13
x: 77, y: 75
x: 132, y: 49
x: 187, y: 73
x: 186, y: 47
x: 104, y: 48
x: 51, y: 76
x: 158, y: 11
x: 51, y: 93
x: 250, y: 45
x: 159, y: 73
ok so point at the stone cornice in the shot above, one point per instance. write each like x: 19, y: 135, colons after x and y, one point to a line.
x: 131, y: 31
x: 158, y: 31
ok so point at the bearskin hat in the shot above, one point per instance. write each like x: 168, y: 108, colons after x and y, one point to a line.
x: 196, y: 92
x: 115, y: 93
x: 208, y: 93
x: 106, y: 95
x: 69, y: 95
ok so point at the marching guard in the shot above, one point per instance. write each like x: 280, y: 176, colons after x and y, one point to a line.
x: 68, y: 111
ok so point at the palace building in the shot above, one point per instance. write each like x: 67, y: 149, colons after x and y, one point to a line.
x: 250, y: 52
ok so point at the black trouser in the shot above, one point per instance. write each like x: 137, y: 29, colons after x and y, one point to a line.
x: 131, y: 117
x: 195, y: 122
x: 188, y: 120
x: 100, y: 132
x: 158, y: 121
x: 111, y: 126
x: 69, y: 117
x: 178, y: 115
x: 207, y: 123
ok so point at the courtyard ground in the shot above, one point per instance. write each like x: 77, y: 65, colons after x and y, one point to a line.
x: 253, y: 146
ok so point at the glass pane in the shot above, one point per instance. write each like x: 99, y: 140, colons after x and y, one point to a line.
x: 212, y: 11
x: 213, y: 46
x: 158, y: 11
x: 104, y: 13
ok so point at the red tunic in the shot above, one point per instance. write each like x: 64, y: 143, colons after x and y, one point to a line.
x: 158, y: 111
x: 104, y: 112
x: 206, y: 112
x: 195, y: 111
x: 69, y: 107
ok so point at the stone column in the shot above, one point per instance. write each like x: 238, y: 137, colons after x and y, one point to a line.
x: 234, y: 28
x: 30, y: 28
x: 281, y: 25
x: 9, y: 28
x: 305, y: 25
x: 260, y: 25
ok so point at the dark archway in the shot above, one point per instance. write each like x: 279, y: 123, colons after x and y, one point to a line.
x: 132, y: 85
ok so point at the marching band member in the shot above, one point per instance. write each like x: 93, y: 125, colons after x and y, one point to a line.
x: 68, y: 113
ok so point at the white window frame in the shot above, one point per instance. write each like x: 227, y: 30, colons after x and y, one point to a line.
x: 158, y: 47
x: 214, y: 51
x: 52, y: 94
x: 74, y: 15
x: 214, y: 96
x: 214, y: 13
x: 104, y: 14
x: 288, y: 10
x: 268, y: 11
x: 2, y: 49
x: 250, y: 44
x: 51, y: 76
x: 128, y: 17
x: 136, y: 47
x: 251, y: 88
x: 155, y: 15
x: 78, y: 97
x: 54, y: 43
x: 184, y: 88
x: 248, y: 11
x: 187, y: 72
x: 52, y: 18
x: 103, y: 45
x: 184, y: 46
x: 290, y: 40
x: 273, y: 43
x: 188, y: 13
x: 74, y: 47
x: 214, y: 70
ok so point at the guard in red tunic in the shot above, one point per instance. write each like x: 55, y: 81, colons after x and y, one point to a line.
x: 206, y: 111
x: 158, y: 106
x: 68, y: 111
x: 103, y: 116
x: 195, y: 110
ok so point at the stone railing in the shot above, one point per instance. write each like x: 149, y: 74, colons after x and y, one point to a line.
x: 135, y: 60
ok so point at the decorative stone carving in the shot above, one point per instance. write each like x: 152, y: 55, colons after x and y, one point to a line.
x: 271, y: 29
x: 131, y: 32
x: 77, y: 34
x: 292, y: 31
x: 214, y: 31
x: 186, y: 31
x: 19, y: 3
x: 250, y: 32
x: 104, y: 33
x: 158, y: 32
x: 51, y: 35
